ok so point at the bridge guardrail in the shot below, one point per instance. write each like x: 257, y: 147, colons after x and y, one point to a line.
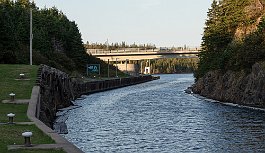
x: 138, y: 51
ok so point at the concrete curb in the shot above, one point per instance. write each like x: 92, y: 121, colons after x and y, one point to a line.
x: 35, y: 146
x: 33, y: 111
x: 16, y: 101
x: 24, y: 123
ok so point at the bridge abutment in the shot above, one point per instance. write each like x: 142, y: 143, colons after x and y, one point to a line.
x: 132, y: 69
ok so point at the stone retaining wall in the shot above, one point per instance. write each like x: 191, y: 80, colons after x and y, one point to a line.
x: 58, y: 90
x: 33, y: 112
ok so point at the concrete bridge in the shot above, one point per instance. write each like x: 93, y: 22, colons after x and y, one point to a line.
x: 136, y: 54
x: 122, y: 58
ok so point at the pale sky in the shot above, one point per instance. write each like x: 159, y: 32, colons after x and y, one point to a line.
x: 165, y: 23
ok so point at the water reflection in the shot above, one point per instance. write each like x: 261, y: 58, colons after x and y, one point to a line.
x: 159, y: 117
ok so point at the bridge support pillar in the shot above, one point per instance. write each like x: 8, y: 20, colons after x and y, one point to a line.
x: 132, y: 69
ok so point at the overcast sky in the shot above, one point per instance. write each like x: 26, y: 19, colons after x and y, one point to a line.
x: 165, y: 23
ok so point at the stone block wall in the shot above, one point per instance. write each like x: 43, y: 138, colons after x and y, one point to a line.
x: 58, y: 90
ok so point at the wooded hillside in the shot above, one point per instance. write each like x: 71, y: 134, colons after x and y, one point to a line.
x: 234, y: 37
x: 56, y: 40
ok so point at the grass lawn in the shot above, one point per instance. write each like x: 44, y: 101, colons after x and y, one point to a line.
x: 20, y: 110
x: 11, y: 134
x: 37, y: 151
x: 8, y: 84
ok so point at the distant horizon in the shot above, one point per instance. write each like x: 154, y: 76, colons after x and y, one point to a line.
x: 163, y: 23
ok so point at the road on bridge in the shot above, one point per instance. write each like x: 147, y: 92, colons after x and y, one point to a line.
x: 137, y: 54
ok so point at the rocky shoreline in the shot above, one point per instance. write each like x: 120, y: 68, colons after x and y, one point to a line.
x: 241, y: 88
x: 59, y: 124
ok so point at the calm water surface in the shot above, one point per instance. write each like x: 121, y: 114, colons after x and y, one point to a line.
x: 158, y: 117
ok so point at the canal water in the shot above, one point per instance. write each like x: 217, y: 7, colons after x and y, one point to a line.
x: 159, y: 117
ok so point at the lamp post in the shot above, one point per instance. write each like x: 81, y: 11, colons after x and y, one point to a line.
x: 30, y: 37
x: 141, y: 67
x: 126, y: 65
x: 116, y: 68
x: 108, y: 68
x: 107, y: 44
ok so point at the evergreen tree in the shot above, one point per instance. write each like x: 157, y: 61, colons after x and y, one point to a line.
x: 56, y: 42
x: 227, y: 34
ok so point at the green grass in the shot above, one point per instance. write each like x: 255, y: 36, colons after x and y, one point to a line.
x: 20, y: 110
x: 8, y: 84
x: 11, y: 134
x: 36, y: 151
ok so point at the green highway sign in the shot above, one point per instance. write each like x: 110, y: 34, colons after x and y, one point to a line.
x: 93, y: 68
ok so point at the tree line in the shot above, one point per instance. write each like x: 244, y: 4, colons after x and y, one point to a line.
x: 115, y: 46
x: 233, y: 37
x: 56, y: 40
x: 171, y: 65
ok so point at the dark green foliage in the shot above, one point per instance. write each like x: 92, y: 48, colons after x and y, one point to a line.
x: 230, y: 40
x: 172, y: 65
x: 56, y: 40
x: 253, y: 49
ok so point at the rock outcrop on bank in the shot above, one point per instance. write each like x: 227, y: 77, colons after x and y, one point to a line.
x: 58, y: 90
x: 235, y: 87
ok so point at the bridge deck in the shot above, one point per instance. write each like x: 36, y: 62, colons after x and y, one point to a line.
x: 138, y: 52
x: 122, y: 55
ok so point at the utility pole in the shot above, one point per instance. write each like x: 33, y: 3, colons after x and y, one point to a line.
x: 107, y: 44
x: 108, y: 68
x: 141, y: 67
x: 116, y: 68
x: 30, y: 37
x: 126, y: 66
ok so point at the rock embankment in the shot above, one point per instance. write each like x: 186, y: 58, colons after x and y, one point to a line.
x: 235, y: 87
x: 58, y: 90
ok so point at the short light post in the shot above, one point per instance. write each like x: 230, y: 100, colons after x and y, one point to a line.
x: 27, y: 136
x: 10, y: 118
x: 21, y: 76
x: 12, y: 96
